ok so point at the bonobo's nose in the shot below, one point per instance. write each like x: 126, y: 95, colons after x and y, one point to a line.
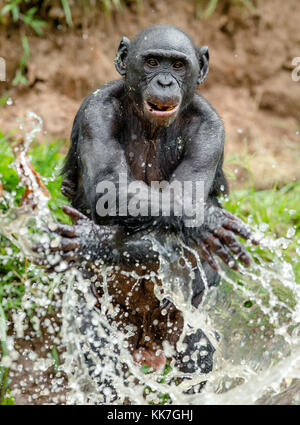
x: 165, y: 81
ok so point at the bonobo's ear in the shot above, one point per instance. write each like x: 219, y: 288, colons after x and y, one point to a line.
x: 203, y: 57
x: 120, y: 59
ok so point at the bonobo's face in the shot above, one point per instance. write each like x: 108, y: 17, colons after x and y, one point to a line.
x: 161, y: 89
x: 162, y: 68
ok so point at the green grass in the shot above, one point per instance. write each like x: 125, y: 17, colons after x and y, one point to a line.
x: 14, y: 271
x: 47, y: 161
x: 23, y: 11
x: 161, y: 398
x: 277, y: 208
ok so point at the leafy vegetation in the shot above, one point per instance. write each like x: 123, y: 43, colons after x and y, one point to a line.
x: 277, y: 210
x: 34, y: 15
x: 20, y: 77
x: 22, y: 11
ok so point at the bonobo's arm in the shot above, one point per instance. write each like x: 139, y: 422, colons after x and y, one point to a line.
x: 87, y: 244
x: 202, y: 156
x: 101, y: 157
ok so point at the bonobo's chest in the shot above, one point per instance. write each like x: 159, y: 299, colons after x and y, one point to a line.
x: 154, y: 159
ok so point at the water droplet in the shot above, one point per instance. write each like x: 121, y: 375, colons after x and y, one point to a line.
x: 291, y: 232
x: 263, y: 227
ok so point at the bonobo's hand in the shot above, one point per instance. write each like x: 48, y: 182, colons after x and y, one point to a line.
x: 68, y: 188
x: 84, y: 241
x: 217, y: 236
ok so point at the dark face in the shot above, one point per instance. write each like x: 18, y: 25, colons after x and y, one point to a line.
x: 161, y: 68
x: 163, y: 76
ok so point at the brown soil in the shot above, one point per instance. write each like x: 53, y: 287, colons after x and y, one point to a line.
x: 250, y: 81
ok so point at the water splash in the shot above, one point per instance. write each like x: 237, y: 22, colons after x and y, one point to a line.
x: 251, y: 318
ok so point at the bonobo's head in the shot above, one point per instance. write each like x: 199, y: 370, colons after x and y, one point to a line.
x: 162, y: 68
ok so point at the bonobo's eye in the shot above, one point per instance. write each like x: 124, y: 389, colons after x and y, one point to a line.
x: 152, y: 62
x: 178, y: 65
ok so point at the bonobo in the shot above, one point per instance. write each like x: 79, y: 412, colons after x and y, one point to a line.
x: 149, y: 126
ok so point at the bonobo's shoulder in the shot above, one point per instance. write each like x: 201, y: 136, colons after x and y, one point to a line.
x: 203, y: 109
x: 106, y: 96
x: 206, y: 124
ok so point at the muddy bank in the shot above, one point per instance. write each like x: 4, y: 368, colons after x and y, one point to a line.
x: 250, y: 82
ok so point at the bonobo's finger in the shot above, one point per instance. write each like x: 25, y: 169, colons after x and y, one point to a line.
x: 238, y: 228
x: 70, y: 244
x: 66, y: 261
x: 234, y: 245
x: 69, y: 256
x: 64, y: 230
x: 228, y: 237
x: 37, y: 248
x: 245, y: 258
x: 68, y: 184
x: 65, y: 245
x: 42, y: 248
x: 221, y: 251
x: 231, y: 216
x: 67, y: 191
x: 206, y: 256
x: 38, y: 261
x: 57, y: 268
x: 73, y: 213
x: 44, y: 263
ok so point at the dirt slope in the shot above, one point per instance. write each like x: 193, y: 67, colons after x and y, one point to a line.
x: 250, y: 82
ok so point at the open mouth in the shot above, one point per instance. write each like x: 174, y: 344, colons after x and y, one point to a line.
x: 161, y: 110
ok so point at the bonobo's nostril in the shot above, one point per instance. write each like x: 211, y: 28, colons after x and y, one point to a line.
x: 164, y: 82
